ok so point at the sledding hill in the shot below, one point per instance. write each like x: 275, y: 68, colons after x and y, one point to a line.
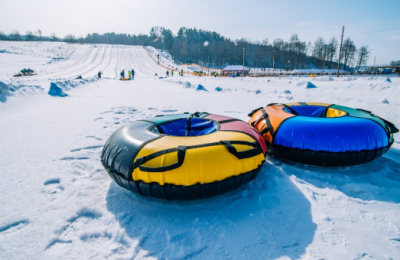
x: 60, y: 60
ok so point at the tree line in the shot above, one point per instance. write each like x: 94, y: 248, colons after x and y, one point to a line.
x: 208, y: 48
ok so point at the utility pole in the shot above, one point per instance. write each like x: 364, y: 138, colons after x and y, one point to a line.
x: 340, y: 53
x: 374, y: 60
x: 208, y: 65
x: 273, y: 63
x: 243, y: 63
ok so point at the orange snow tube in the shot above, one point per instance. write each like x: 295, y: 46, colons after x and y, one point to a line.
x: 276, y: 116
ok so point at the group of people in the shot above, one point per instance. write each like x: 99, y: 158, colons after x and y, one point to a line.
x: 215, y: 74
x: 131, y: 74
x: 172, y: 73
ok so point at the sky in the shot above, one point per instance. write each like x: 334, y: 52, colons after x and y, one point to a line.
x: 251, y: 19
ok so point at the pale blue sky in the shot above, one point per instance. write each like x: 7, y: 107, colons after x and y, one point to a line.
x: 252, y: 19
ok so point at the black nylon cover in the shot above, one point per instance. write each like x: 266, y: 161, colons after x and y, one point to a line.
x: 326, y: 159
x: 123, y: 144
x: 180, y: 192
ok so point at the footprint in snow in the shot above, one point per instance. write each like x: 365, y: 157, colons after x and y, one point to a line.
x: 269, y: 202
x: 94, y: 137
x: 70, y: 229
x: 13, y: 226
x: 70, y: 158
x: 233, y: 112
x: 52, y: 186
x: 87, y: 147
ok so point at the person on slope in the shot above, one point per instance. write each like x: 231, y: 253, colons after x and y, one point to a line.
x: 99, y: 74
x: 182, y: 73
x: 172, y: 73
x: 199, y: 73
x: 133, y: 74
x: 129, y: 74
x: 215, y: 74
x: 122, y: 74
x: 167, y: 73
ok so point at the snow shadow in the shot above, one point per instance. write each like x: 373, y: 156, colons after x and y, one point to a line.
x: 3, y: 98
x: 378, y: 180
x: 265, y: 219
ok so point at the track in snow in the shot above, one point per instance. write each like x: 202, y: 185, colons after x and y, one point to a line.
x: 87, y: 61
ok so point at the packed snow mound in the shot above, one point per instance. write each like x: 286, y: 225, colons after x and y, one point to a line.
x: 324, y: 78
x: 286, y: 91
x: 257, y: 91
x: 4, y: 89
x: 388, y: 80
x: 219, y: 89
x: 56, y: 91
x: 185, y: 84
x: 346, y: 79
x: 310, y: 85
x: 18, y: 89
x: 73, y: 83
x: 385, y: 101
x: 201, y: 88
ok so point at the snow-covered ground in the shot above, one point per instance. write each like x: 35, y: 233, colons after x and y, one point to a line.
x: 57, y: 202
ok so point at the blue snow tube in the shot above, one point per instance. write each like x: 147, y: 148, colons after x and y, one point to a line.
x: 327, y: 135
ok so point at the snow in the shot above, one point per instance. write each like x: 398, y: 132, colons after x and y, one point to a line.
x: 57, y: 201
x: 331, y: 71
x: 323, y: 78
x: 235, y: 67
x: 310, y: 85
x: 201, y: 88
x: 56, y: 91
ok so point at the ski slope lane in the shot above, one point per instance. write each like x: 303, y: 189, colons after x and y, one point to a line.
x: 70, y: 61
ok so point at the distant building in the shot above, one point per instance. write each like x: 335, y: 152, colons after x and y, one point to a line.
x: 235, y: 69
x: 319, y: 71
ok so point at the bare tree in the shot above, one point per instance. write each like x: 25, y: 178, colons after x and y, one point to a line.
x: 362, y: 58
x: 332, y: 49
x: 29, y: 36
x: 319, y: 52
x: 15, y: 36
x: 53, y: 36
x: 70, y: 38
x: 2, y: 36
x: 348, y: 51
x: 38, y: 34
x: 395, y: 63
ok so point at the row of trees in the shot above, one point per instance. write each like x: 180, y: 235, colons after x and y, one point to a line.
x: 191, y: 45
x: 188, y: 46
x: 29, y: 36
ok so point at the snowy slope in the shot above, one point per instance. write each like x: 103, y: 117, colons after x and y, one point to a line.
x: 57, y: 202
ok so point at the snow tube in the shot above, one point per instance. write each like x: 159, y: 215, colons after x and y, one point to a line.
x: 184, y: 156
x: 322, y: 134
x: 125, y: 79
